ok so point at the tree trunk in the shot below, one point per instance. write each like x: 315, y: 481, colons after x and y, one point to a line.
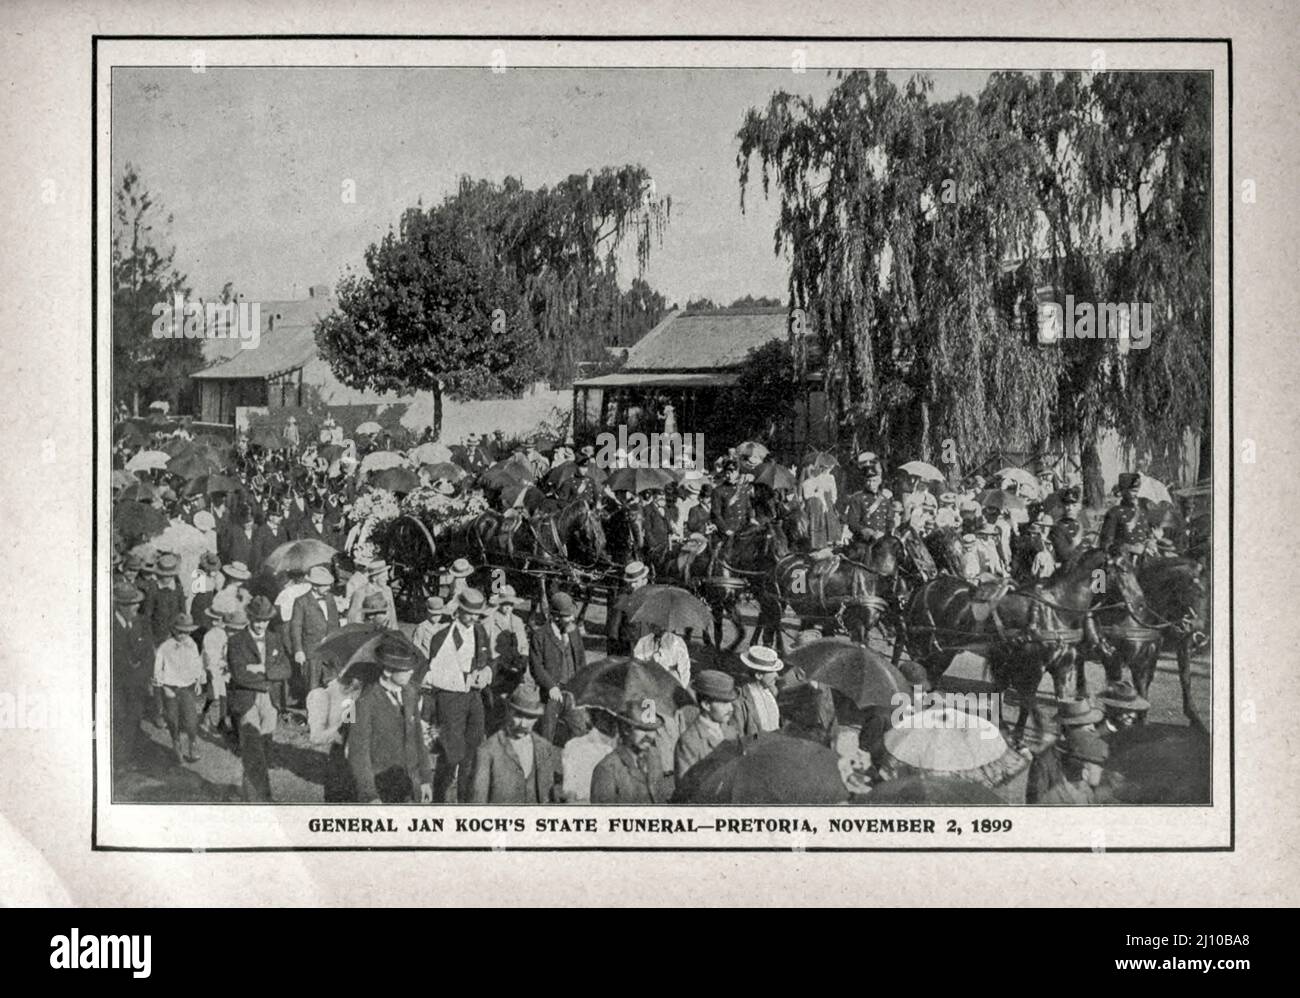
x: 1205, y: 465
x: 437, y: 410
x: 1094, y: 484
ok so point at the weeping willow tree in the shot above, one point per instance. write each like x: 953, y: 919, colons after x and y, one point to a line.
x: 921, y: 235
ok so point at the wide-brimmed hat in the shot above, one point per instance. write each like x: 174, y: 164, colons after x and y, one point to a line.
x: 260, y: 608
x: 435, y: 605
x: 505, y: 596
x: 126, y: 594
x: 376, y: 566
x: 374, y: 603
x: 761, y: 659
x: 237, y: 570
x: 319, y: 575
x: 168, y: 564
x: 236, y: 618
x: 204, y: 520
x: 1087, y: 746
x: 562, y: 605
x: 1123, y: 696
x: 712, y: 684
x: 526, y: 701
x: 209, y: 562
x: 641, y: 714
x: 393, y: 655
x: 948, y: 499
x: 634, y: 571
x: 461, y: 569
x: 1076, y: 713
x: 133, y: 563
x: 183, y: 622
x: 471, y: 601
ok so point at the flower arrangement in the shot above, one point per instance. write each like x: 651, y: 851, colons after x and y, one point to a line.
x: 442, y: 512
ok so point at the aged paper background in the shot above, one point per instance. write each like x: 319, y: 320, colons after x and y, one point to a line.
x: 45, y: 786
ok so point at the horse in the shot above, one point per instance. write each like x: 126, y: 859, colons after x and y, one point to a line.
x: 1177, y: 597
x: 946, y: 550
x: 1023, y: 632
x: 1132, y: 636
x: 625, y: 533
x: 558, y: 541
x: 743, y: 562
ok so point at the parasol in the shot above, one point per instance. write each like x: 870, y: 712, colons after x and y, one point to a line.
x: 139, y: 492
x: 193, y: 463
x: 148, y: 460
x: 431, y: 453
x: 122, y: 479
x: 528, y: 497
x: 772, y: 768
x: 1155, y: 491
x: 612, y: 682
x: 298, y: 556
x: 638, y: 479
x: 211, y: 484
x: 561, y: 473
x: 774, y: 476
x: 819, y: 460
x: 445, y: 469
x: 668, y: 608
x: 129, y: 433
x: 752, y: 451
x: 922, y: 788
x: 136, y: 520
x: 395, y: 480
x: 923, y: 471
x: 374, y: 461
x: 865, y: 676
x: 369, y: 428
x: 945, y: 740
x: 1021, y: 476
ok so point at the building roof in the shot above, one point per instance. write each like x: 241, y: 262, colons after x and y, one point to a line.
x: 653, y: 379
x: 283, y: 349
x: 275, y: 315
x: 706, y: 341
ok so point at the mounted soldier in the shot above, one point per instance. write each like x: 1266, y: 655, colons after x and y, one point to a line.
x: 1125, y: 527
x: 1066, y: 534
x: 869, y: 512
x: 731, y: 507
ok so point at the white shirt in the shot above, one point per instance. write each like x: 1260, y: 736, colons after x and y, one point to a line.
x: 579, y: 759
x: 449, y: 669
x: 284, y: 602
x: 769, y: 715
x: 670, y: 651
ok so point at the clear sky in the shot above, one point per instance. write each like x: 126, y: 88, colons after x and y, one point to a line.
x: 251, y: 163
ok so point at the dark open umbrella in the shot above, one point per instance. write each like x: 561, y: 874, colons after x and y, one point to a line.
x: 395, y: 480
x: 506, y: 473
x: 207, y: 485
x: 771, y: 768
x: 924, y: 788
x: 352, y: 649
x: 612, y: 682
x: 139, y: 492
x: 298, y: 556
x: 136, y: 521
x: 330, y: 452
x: 445, y: 469
x: 669, y: 608
x: 561, y: 473
x: 638, y: 479
x: 529, y: 497
x: 193, y: 463
x: 266, y: 436
x: 865, y: 676
x: 773, y: 475
x: 1161, y: 764
x: 129, y: 434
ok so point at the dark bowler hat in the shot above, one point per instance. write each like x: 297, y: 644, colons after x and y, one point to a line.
x: 562, y: 605
x: 394, y: 656
x: 714, y: 685
x: 641, y: 714
x: 260, y: 608
x: 525, y: 701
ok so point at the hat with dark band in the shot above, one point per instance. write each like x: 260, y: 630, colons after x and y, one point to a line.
x: 641, y: 714
x: 471, y: 601
x: 237, y: 570
x: 1076, y: 713
x: 1123, y: 696
x: 526, y: 701
x: 562, y: 605
x: 260, y: 608
x: 711, y: 684
x: 184, y: 622
x: 393, y: 655
x: 761, y: 659
x: 126, y: 594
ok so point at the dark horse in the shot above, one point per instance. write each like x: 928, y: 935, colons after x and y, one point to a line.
x: 551, y: 542
x: 1023, y: 632
x: 1177, y: 596
x: 745, y: 562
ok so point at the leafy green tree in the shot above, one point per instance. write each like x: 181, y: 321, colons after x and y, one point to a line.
x: 145, y: 368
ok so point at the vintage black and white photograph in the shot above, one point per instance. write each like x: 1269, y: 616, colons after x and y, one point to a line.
x: 717, y: 439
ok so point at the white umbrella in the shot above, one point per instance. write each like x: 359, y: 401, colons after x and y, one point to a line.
x: 147, y: 460
x: 382, y: 459
x: 920, y: 469
x: 945, y: 740
x: 1149, y: 488
x: 1021, y: 476
x: 430, y: 453
x: 369, y: 428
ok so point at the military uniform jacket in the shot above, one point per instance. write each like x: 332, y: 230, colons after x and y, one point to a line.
x: 865, y: 513
x: 730, y: 508
x: 1065, y: 536
x: 1124, y: 525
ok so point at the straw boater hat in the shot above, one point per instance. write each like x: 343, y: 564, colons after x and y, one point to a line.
x: 168, y: 564
x: 237, y: 570
x: 1123, y: 696
x: 635, y: 570
x: 471, y: 601
x: 435, y: 605
x: 761, y: 659
x: 320, y: 576
x: 525, y: 701
x: 203, y: 520
x: 461, y: 569
x: 948, y: 499
x: 867, y: 459
x: 374, y: 604
x: 376, y: 567
x: 1077, y: 713
x: 641, y: 714
x: 209, y: 562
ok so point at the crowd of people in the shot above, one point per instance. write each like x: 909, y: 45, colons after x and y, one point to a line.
x: 473, y: 703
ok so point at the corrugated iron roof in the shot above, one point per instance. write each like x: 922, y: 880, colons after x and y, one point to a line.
x: 703, y: 341
x: 286, y: 348
x: 651, y: 379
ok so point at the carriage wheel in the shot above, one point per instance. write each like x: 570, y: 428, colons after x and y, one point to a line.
x: 415, y: 572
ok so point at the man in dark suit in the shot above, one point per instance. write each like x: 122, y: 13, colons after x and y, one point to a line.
x: 621, y: 635
x: 386, y: 749
x: 633, y: 773
x: 237, y: 542
x: 555, y: 655
x: 133, y: 655
x: 268, y: 536
x: 458, y: 672
x: 254, y: 658
x: 315, y: 617
x: 516, y: 765
x: 654, y: 505
x: 164, y: 599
